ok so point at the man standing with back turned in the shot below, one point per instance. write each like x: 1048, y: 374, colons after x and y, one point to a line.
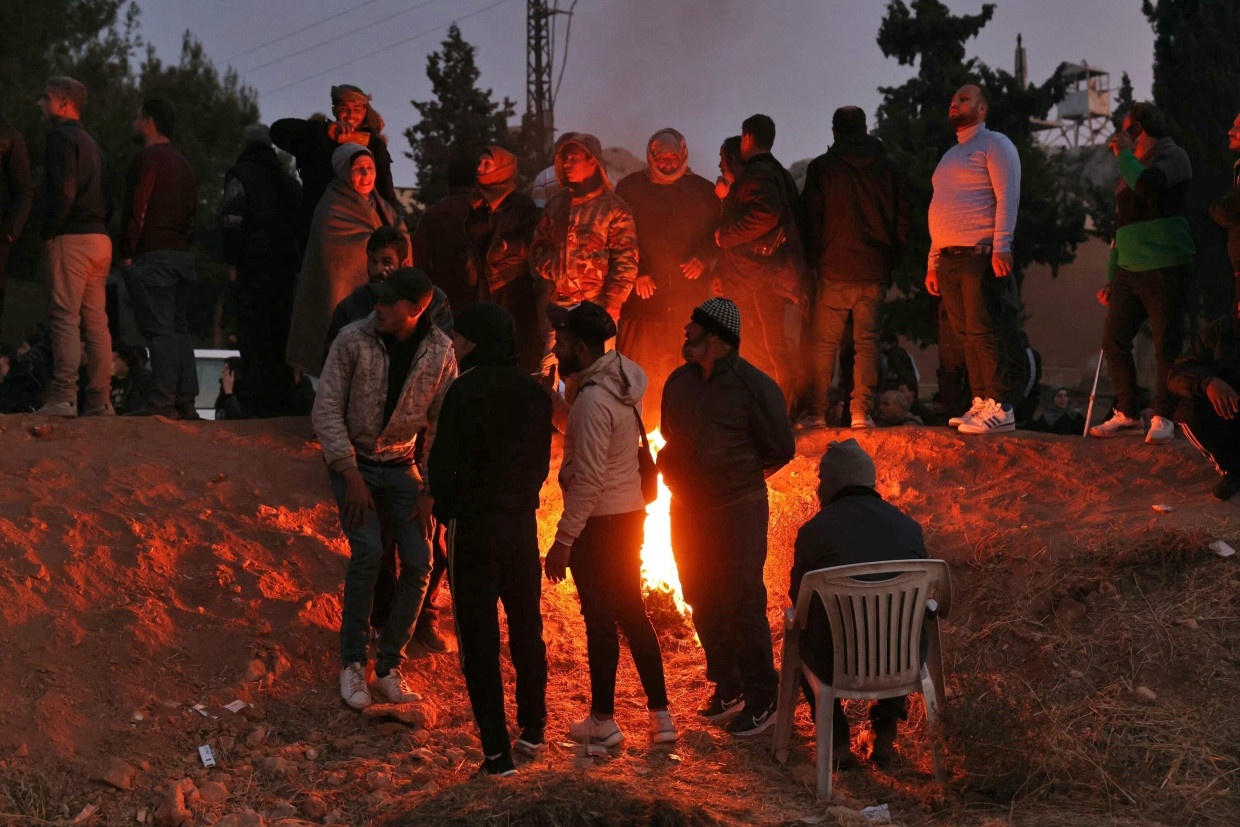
x: 972, y: 217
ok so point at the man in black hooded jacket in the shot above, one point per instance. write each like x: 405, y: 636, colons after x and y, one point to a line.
x: 491, y: 455
x: 857, y: 226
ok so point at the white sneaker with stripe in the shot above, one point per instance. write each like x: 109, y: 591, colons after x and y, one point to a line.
x: 957, y: 421
x: 993, y: 418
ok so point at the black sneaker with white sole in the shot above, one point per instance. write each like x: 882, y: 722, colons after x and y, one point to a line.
x: 718, y: 708
x: 751, y: 722
x: 530, y: 742
x: 501, y: 765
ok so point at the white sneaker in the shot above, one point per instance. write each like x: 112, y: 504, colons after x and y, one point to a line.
x: 662, y: 727
x: 967, y: 416
x: 862, y: 423
x: 393, y: 688
x: 1115, y: 426
x: 1162, y: 431
x: 592, y: 732
x: 353, y: 686
x: 993, y: 418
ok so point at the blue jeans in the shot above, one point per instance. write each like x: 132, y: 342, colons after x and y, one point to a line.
x: 159, y: 285
x: 395, y: 492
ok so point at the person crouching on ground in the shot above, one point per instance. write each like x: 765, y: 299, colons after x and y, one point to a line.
x: 601, y: 530
x: 1206, y: 379
x: 854, y: 525
x: 491, y: 455
x: 384, y: 381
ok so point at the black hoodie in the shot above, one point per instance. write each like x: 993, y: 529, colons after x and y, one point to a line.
x: 492, y: 449
x: 857, y: 212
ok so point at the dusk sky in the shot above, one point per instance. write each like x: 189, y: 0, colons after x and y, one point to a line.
x: 633, y: 66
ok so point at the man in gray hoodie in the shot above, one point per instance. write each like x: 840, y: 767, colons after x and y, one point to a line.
x: 601, y: 531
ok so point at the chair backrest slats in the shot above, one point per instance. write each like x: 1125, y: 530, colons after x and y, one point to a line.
x: 876, y: 623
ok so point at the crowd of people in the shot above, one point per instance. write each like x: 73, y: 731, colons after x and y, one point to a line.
x: 445, y: 358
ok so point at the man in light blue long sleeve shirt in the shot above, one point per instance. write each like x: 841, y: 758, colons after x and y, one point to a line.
x: 972, y: 217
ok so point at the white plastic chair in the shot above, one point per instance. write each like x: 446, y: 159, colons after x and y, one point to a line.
x: 876, y: 629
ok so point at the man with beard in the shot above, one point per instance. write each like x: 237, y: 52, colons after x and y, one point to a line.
x: 262, y: 245
x: 727, y: 430
x: 762, y: 267
x: 312, y: 142
x: 676, y: 213
x: 972, y: 217
x: 857, y: 220
x: 585, y: 245
x: 160, y: 275
x: 600, y: 533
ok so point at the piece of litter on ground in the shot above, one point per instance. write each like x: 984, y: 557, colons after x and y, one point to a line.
x: 674, y: 758
x: 1222, y: 549
x: 1163, y: 508
x: 877, y: 815
x: 202, y: 710
x: 236, y: 706
x: 87, y: 812
x: 207, y: 755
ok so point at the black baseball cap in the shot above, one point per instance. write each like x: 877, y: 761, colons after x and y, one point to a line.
x: 408, y: 283
x: 587, y: 321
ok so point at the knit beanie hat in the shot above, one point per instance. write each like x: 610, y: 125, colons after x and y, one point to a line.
x: 721, y: 317
x: 845, y: 463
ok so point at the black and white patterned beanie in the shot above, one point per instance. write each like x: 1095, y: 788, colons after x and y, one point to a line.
x: 721, y: 317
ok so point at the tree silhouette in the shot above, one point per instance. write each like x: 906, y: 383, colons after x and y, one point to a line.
x: 461, y: 120
x: 912, y: 122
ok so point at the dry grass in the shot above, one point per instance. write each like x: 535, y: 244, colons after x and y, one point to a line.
x: 1046, y: 704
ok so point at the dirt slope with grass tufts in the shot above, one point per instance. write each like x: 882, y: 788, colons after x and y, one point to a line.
x: 148, y: 566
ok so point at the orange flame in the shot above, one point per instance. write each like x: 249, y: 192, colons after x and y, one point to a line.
x: 658, y: 564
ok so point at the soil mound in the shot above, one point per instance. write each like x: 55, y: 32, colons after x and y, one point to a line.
x: 153, y: 572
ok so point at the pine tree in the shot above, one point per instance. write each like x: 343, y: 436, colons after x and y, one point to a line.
x: 1197, y: 87
x: 912, y: 122
x: 1123, y: 101
x: 459, y: 123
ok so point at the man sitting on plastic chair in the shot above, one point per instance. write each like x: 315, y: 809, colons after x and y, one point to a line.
x: 854, y: 525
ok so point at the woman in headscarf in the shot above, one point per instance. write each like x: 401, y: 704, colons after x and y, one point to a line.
x: 335, y: 260
x: 1059, y: 415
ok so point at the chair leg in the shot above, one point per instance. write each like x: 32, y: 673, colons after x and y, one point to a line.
x: 785, y: 711
x: 825, y: 717
x: 933, y: 724
x: 934, y: 660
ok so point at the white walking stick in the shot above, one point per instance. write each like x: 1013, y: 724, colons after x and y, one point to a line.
x: 1092, y: 392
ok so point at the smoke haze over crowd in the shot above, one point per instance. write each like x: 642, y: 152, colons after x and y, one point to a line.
x: 633, y: 66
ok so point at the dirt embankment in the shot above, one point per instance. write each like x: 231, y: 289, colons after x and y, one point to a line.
x: 148, y: 566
